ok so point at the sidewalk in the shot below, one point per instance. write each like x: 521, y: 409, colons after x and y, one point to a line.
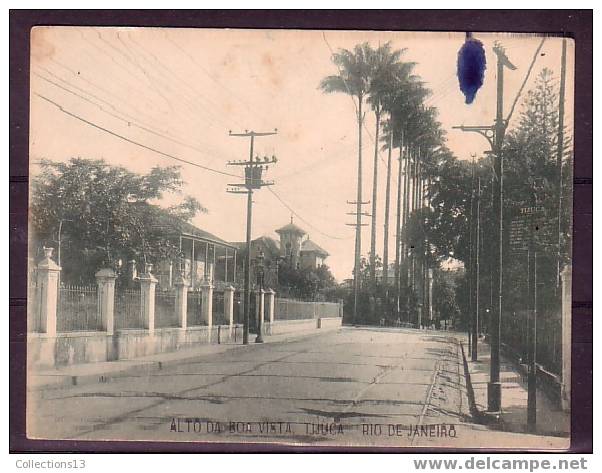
x: 551, y: 420
x: 85, y: 373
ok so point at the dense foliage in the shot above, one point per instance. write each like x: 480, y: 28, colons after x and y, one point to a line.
x: 100, y: 214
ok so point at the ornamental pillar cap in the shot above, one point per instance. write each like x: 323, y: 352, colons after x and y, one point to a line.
x: 105, y: 273
x: 181, y: 281
x: 229, y: 288
x: 47, y: 262
x: 147, y: 277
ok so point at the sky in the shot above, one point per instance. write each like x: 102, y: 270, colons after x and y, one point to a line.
x: 104, y: 92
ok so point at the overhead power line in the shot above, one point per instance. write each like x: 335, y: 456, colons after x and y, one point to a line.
x: 533, y: 59
x: 129, y: 140
x: 296, y: 214
x: 131, y: 120
x: 176, y: 158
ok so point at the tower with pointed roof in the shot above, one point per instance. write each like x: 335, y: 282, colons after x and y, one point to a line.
x: 291, y: 237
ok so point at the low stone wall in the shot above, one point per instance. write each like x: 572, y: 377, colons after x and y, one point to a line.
x: 279, y: 327
x: 46, y: 351
x: 330, y: 322
x: 68, y: 348
x: 88, y: 347
x: 287, y: 326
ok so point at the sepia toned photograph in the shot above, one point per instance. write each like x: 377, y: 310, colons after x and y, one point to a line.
x: 343, y: 238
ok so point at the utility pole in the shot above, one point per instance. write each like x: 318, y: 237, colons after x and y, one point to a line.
x: 494, y: 388
x: 495, y: 136
x: 475, y: 319
x: 253, y: 180
x: 470, y: 271
x: 356, y: 270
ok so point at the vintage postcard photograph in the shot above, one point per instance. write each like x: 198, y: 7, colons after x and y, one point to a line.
x: 300, y: 237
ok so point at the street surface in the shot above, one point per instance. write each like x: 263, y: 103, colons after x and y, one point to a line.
x: 351, y: 387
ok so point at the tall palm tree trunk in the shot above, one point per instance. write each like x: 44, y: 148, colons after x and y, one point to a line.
x: 387, y: 206
x: 374, y: 197
x: 398, y: 234
x: 406, y: 209
x: 406, y: 197
x: 358, y: 211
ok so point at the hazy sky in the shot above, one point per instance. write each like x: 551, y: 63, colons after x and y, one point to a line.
x: 192, y: 86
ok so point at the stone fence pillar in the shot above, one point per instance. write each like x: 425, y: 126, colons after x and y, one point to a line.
x: 272, y: 305
x: 566, y: 307
x: 181, y: 285
x: 229, y: 308
x: 207, y: 304
x: 147, y: 298
x: 105, y: 278
x: 48, y: 287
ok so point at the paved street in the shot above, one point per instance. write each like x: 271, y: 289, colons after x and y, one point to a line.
x: 351, y: 386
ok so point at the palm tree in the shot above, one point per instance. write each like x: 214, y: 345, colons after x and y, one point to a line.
x: 424, y: 134
x: 387, y: 75
x: 403, y: 106
x: 395, y: 102
x: 353, y: 79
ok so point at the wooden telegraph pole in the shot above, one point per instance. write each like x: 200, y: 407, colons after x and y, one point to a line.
x: 253, y: 180
x: 495, y: 136
x: 477, y: 274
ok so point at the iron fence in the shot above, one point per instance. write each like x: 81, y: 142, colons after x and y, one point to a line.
x: 516, y: 333
x: 128, y: 313
x: 238, y: 308
x: 219, y: 317
x: 193, y: 308
x: 290, y: 309
x: 165, y: 309
x: 78, y: 309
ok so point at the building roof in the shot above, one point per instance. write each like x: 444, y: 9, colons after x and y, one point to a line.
x: 188, y: 229
x: 291, y: 228
x: 309, y: 246
x: 270, y: 244
x: 175, y: 226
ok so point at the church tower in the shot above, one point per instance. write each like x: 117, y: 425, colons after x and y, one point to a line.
x: 290, y: 242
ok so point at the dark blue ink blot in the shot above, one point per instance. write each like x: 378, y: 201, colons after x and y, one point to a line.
x: 471, y: 68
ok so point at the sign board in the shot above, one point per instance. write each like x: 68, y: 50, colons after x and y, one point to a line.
x: 530, y: 225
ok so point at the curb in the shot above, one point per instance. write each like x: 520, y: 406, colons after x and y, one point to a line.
x: 481, y: 417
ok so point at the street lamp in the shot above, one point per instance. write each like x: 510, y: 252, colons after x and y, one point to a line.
x: 259, y: 272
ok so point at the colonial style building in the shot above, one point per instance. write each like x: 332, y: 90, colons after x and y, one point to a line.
x: 205, y: 257
x: 293, y: 247
x: 300, y: 251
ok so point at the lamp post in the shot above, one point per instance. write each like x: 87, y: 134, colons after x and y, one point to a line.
x: 259, y: 272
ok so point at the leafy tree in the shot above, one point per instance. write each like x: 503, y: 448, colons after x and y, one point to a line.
x: 305, y: 282
x: 100, y: 213
x: 445, y: 305
x: 530, y: 172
